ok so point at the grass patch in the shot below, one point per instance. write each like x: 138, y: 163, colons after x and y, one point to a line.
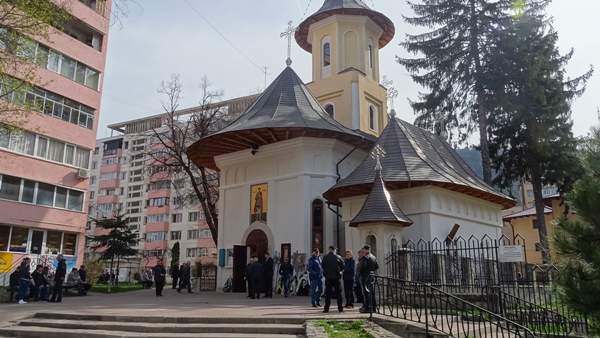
x: 340, y: 329
x: 123, y: 287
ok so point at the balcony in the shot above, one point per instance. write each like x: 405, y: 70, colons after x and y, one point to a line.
x: 156, y: 227
x: 156, y: 245
x: 107, y: 184
x: 157, y: 210
x: 109, y: 168
x: 159, y: 193
x: 98, y: 6
x: 107, y: 199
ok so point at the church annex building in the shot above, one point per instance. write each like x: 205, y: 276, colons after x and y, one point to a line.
x: 319, y: 164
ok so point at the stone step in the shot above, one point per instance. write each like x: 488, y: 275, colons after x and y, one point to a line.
x: 44, y: 332
x: 232, y: 327
x: 166, y: 319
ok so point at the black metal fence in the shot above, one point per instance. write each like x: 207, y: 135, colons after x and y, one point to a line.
x: 492, y: 274
x: 207, y: 277
x: 441, y: 311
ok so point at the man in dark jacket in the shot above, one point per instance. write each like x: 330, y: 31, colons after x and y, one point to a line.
x: 333, y: 265
x: 24, y: 280
x: 349, y: 271
x: 175, y: 275
x: 14, y: 283
x: 367, y: 266
x: 59, y: 278
x: 268, y: 273
x: 286, y: 271
x: 250, y: 279
x: 160, y: 275
x: 315, y: 275
x: 40, y: 284
x: 257, y: 272
x: 83, y: 274
x: 185, y: 278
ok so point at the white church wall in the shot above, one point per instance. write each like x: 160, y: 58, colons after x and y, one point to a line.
x: 297, y: 172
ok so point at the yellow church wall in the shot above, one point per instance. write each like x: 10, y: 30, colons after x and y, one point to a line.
x: 349, y: 37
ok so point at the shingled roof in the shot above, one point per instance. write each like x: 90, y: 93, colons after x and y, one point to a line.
x: 380, y: 207
x: 285, y: 110
x: 412, y: 157
x: 345, y: 7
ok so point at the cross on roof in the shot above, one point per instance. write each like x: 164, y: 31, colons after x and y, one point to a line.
x: 288, y: 34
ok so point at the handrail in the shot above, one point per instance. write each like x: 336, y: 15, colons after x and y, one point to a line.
x: 528, y: 313
x: 442, y: 311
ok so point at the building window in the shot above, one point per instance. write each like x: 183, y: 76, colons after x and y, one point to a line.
x: 22, y: 190
x: 330, y: 109
x: 18, y: 239
x: 394, y: 245
x: 175, y: 235
x: 157, y: 202
x: 193, y: 234
x: 193, y: 216
x: 156, y: 236
x: 370, y: 56
x: 317, y: 224
x: 372, y: 118
x: 205, y: 233
x: 4, y: 237
x: 69, y: 246
x: 43, y: 101
x: 197, y: 252
x: 372, y: 242
x: 161, y: 218
x: 326, y: 54
x: 176, y: 218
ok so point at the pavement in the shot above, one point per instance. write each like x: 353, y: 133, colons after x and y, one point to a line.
x: 203, y: 304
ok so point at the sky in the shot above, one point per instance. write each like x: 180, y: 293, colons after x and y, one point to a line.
x: 159, y: 38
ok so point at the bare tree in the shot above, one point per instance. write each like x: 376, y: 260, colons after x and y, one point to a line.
x: 178, y: 130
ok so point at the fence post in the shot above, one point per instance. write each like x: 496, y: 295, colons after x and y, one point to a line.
x: 439, y: 266
x: 404, y: 264
x: 426, y: 312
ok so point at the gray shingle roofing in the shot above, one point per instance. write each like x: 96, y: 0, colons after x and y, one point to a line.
x: 345, y: 7
x: 526, y: 213
x: 380, y: 207
x: 285, y: 110
x: 412, y: 156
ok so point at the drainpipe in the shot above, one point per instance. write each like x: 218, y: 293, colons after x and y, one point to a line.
x: 337, y: 206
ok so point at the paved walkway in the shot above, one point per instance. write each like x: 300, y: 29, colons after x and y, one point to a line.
x: 204, y: 304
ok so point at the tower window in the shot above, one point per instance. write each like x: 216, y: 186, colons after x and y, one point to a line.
x: 372, y: 117
x: 326, y: 54
x: 370, y: 56
x: 330, y: 109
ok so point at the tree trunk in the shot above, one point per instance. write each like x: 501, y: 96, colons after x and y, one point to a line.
x: 536, y: 181
x: 112, y: 260
x: 210, y: 219
x: 117, y: 272
x: 483, y: 140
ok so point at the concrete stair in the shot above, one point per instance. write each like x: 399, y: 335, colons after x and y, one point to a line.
x: 55, y: 325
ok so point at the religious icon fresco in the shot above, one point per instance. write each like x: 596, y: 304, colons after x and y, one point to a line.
x: 259, y: 202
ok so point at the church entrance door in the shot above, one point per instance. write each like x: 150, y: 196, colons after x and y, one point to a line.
x: 258, y: 243
x: 240, y: 260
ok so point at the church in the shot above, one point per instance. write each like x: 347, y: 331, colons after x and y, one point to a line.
x: 323, y: 163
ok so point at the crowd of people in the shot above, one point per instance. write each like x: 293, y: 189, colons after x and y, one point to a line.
x: 356, y: 279
x: 43, y: 284
x: 180, y: 275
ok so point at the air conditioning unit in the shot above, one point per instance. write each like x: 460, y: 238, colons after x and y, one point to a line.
x: 83, y: 174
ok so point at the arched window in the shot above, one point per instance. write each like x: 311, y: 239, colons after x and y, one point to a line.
x: 372, y: 117
x: 370, y: 56
x: 394, y: 245
x: 317, y: 224
x: 372, y: 242
x: 326, y: 54
x: 330, y: 109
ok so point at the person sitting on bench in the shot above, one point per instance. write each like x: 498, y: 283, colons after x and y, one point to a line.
x: 13, y: 285
x: 74, y: 281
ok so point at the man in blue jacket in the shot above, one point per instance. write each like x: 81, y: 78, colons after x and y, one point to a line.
x: 348, y: 276
x: 315, y: 274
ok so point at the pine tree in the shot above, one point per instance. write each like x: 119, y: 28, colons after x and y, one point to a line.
x: 531, y: 135
x: 577, y: 241
x: 453, y: 63
x: 116, y: 241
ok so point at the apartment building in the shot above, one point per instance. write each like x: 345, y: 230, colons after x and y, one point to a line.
x: 156, y: 204
x: 45, y: 160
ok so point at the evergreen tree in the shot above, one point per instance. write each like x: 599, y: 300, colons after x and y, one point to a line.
x: 531, y: 135
x: 116, y: 241
x: 453, y: 63
x: 175, y: 255
x: 577, y: 241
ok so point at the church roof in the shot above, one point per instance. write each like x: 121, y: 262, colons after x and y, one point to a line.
x: 380, y: 207
x: 526, y: 213
x: 345, y: 7
x: 285, y: 110
x: 412, y: 157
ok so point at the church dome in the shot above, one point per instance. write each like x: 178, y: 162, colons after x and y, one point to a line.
x: 412, y: 157
x: 285, y: 110
x: 345, y: 7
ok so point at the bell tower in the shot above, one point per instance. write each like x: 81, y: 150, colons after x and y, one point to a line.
x: 344, y: 38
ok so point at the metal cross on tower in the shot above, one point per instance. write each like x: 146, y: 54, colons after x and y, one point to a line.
x: 288, y: 33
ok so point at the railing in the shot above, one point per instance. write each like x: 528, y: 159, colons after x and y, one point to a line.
x: 441, y: 311
x: 552, y: 319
